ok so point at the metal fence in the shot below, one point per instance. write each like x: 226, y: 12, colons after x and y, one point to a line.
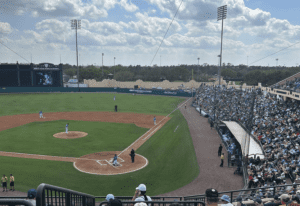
x: 234, y: 193
x: 160, y: 203
x: 13, y: 202
x: 158, y: 198
x: 57, y: 196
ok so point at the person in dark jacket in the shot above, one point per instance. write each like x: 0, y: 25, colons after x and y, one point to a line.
x: 220, y: 150
x: 132, y: 154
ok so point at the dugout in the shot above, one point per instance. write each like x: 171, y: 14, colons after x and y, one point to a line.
x: 31, y: 75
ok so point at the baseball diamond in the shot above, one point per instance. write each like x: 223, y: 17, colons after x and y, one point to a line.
x: 91, y: 163
x: 157, y: 146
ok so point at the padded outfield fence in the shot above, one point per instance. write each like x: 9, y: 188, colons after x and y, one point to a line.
x: 177, y: 93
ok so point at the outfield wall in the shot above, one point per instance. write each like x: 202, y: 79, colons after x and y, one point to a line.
x: 148, y: 85
x: 107, y: 89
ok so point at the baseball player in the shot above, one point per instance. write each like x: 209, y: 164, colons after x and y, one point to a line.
x: 115, y: 162
x: 41, y: 114
x: 114, y: 98
x: 67, y: 127
x: 154, y: 119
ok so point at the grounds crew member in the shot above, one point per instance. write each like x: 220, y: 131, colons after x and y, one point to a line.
x: 12, y: 182
x: 4, y: 184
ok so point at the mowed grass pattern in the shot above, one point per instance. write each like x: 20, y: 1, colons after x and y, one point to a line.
x: 13, y: 104
x: 37, y: 138
x: 171, y: 155
x: 172, y: 164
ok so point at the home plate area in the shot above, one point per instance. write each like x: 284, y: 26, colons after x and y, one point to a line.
x: 101, y: 163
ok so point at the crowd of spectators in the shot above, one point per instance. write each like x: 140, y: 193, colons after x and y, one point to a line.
x: 270, y: 119
x: 293, y: 85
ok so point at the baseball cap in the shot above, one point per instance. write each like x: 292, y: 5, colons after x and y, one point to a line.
x: 141, y: 187
x: 109, y: 196
x: 31, y: 193
x: 225, y: 198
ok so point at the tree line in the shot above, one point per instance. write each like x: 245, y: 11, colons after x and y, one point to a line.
x: 201, y: 73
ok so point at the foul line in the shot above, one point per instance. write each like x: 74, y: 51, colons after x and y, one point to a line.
x: 99, y: 162
x: 155, y: 126
x: 152, y: 132
x: 176, y: 128
x: 113, y: 165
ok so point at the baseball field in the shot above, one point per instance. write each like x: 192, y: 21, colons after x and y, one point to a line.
x: 169, y: 150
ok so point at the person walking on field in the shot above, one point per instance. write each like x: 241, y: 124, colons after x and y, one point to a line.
x: 12, y: 182
x: 132, y: 154
x: 154, y: 119
x: 222, y: 160
x: 67, y: 128
x: 4, y: 184
x: 220, y: 150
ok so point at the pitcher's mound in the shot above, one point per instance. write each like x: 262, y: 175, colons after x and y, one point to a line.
x: 70, y: 135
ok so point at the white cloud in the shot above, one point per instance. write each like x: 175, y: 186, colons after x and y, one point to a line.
x: 128, y: 6
x: 152, y: 26
x: 195, y: 29
x: 5, y: 28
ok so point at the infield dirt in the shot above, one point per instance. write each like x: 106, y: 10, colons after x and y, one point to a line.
x: 97, y: 163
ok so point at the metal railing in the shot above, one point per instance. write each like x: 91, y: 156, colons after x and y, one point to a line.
x: 231, y: 193
x: 157, y: 198
x: 24, y: 197
x: 12, y: 202
x: 58, y: 196
x: 160, y: 203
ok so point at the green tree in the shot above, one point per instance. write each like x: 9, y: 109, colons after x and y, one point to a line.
x: 124, y: 76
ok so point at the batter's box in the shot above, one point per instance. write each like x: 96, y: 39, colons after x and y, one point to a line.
x: 99, y: 162
x: 111, y: 164
x: 121, y: 160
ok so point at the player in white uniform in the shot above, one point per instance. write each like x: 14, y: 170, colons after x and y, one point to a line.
x: 41, y: 114
x: 67, y: 127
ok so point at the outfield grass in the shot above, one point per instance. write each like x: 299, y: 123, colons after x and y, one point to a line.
x: 171, y: 155
x: 172, y: 164
x: 13, y: 104
x: 37, y: 138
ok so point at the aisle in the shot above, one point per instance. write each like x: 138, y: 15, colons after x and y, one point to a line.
x: 206, y: 144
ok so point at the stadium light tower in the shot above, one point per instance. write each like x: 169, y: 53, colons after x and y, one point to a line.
x: 222, y: 12
x: 114, y: 65
x: 76, y: 24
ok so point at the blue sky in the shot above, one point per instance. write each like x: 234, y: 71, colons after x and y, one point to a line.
x: 132, y: 31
